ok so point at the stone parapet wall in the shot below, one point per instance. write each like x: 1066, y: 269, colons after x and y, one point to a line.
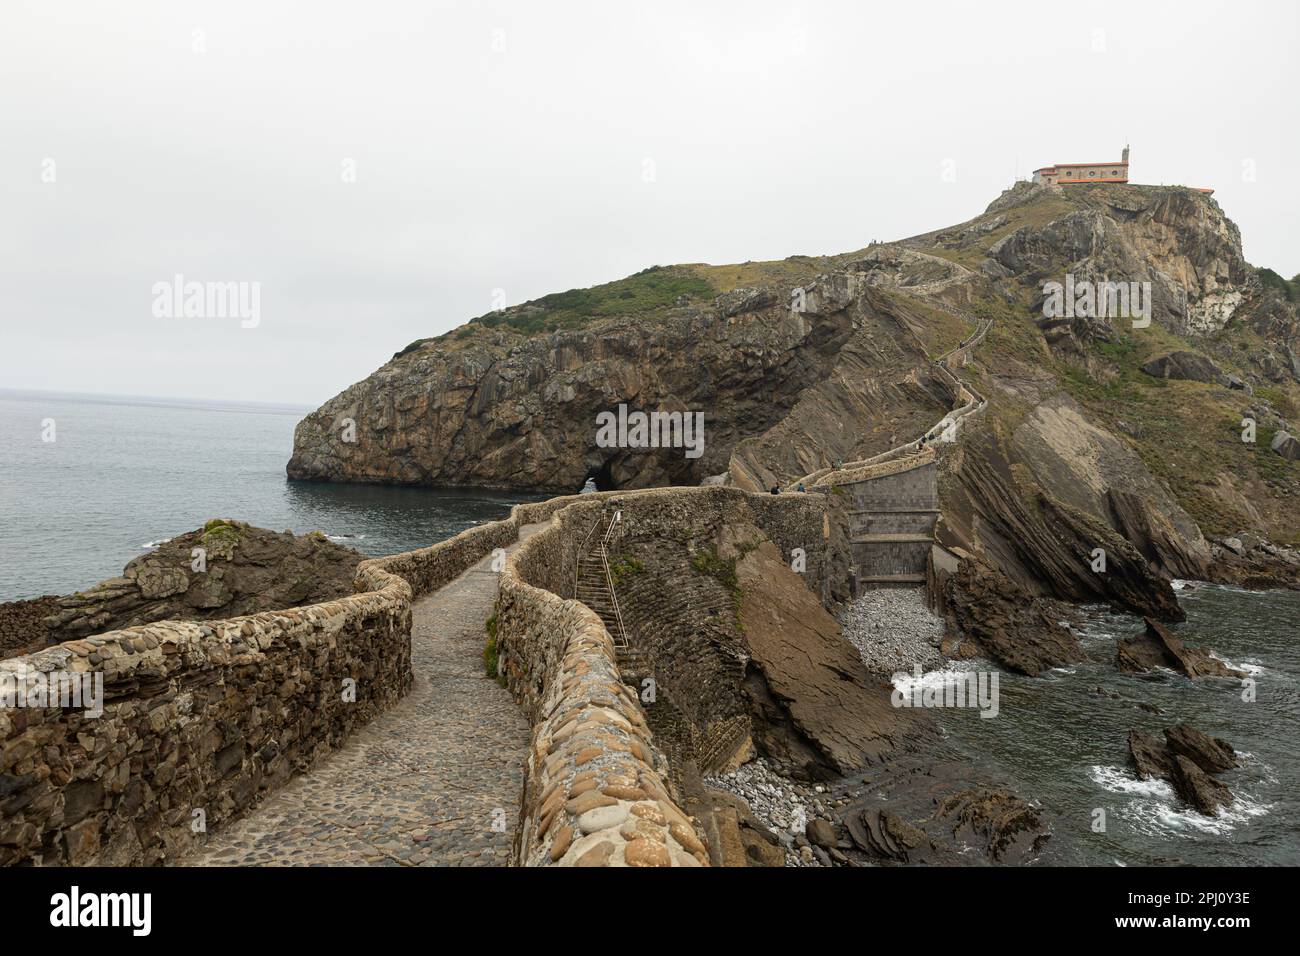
x: 849, y: 474
x: 201, y: 720
x: 597, y: 790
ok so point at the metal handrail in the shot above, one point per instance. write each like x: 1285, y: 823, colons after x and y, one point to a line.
x: 620, y: 640
x: 581, y: 552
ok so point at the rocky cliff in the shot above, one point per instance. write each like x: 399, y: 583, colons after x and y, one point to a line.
x: 1093, y: 435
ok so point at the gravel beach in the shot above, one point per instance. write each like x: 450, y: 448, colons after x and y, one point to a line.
x: 893, y: 630
x: 785, y: 806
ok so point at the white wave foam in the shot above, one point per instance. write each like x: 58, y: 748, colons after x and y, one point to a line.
x: 937, y: 679
x: 1252, y: 669
x: 155, y: 544
x: 1242, y: 810
x: 1157, y: 810
x: 1122, y: 780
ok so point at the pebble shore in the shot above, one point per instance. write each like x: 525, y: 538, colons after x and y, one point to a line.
x: 893, y: 630
x: 783, y: 805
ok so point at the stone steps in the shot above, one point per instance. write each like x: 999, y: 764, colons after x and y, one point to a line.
x: 892, y: 538
x: 893, y: 579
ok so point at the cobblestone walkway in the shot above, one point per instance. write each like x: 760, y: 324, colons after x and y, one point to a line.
x: 421, y: 785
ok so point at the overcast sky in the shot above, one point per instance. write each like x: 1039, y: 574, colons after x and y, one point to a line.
x: 381, y: 169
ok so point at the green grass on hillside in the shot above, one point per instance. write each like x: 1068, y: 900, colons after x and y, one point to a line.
x: 1290, y: 288
x: 650, y: 291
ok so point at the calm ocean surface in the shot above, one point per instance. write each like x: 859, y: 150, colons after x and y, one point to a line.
x: 124, y: 472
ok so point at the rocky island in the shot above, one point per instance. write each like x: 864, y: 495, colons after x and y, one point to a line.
x: 1085, y: 456
x: 913, y: 458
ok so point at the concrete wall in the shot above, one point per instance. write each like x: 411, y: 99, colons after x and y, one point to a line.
x: 891, y: 521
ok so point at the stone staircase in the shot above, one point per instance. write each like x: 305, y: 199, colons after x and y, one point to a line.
x: 594, y: 590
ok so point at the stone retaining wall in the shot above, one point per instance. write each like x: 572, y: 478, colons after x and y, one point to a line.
x: 597, y: 791
x: 902, y: 502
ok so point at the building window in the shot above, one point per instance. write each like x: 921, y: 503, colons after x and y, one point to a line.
x: 1069, y: 172
x: 1092, y: 172
x: 1114, y: 172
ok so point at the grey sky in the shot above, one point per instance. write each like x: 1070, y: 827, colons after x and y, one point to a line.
x: 504, y: 146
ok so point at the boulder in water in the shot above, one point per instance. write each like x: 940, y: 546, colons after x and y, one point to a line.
x: 1158, y: 647
x: 1185, y: 758
x: 1209, y: 753
x: 1198, y: 788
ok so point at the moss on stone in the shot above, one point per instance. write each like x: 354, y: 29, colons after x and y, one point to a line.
x: 624, y: 569
x: 220, y: 536
x: 706, y: 561
x: 491, y: 660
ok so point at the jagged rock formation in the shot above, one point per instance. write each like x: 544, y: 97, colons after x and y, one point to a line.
x: 991, y: 616
x: 1045, y: 546
x: 1251, y: 562
x: 1183, y: 365
x: 1158, y: 647
x: 244, y: 570
x: 936, y: 815
x: 1186, y: 758
x: 807, y: 363
x: 735, y: 837
x: 744, y: 655
x: 823, y: 715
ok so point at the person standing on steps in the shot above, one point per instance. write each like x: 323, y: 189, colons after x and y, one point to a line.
x: 801, y: 489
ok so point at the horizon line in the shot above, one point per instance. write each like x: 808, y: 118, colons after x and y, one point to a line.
x: 134, y: 396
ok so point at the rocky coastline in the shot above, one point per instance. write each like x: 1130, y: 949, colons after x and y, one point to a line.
x: 225, y: 569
